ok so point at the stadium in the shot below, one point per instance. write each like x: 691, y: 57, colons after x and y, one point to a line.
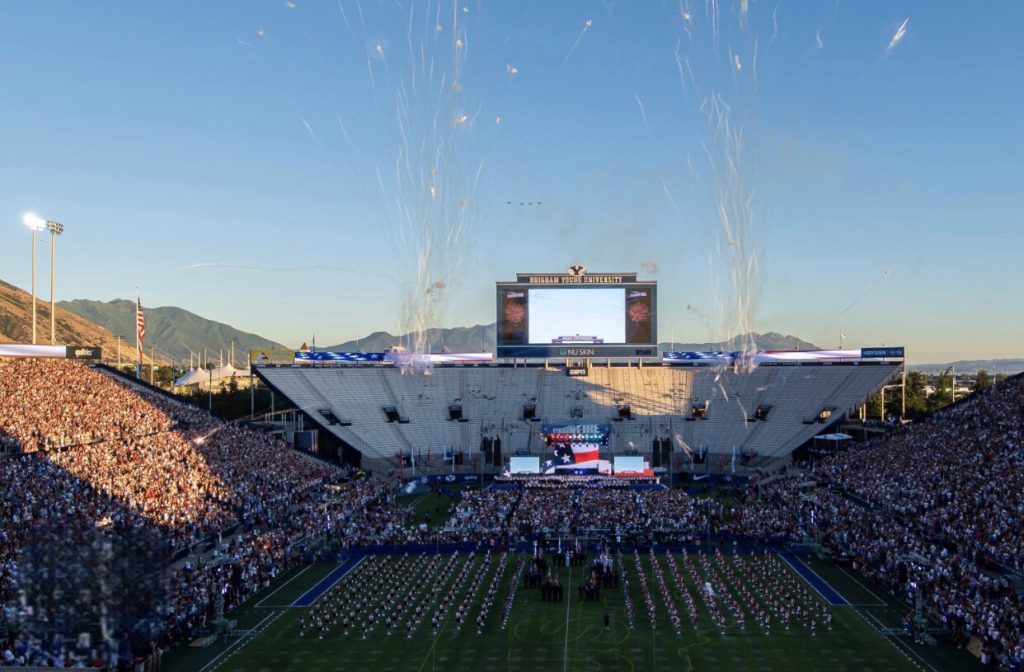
x: 573, y: 500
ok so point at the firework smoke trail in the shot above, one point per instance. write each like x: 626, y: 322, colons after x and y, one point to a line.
x: 579, y: 38
x: 682, y: 444
x: 713, y: 15
x: 643, y: 112
x: 898, y: 36
x: 312, y: 133
x: 885, y: 275
x: 429, y: 187
x: 712, y: 58
x: 344, y: 131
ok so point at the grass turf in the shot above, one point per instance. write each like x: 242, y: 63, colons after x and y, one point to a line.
x: 565, y: 635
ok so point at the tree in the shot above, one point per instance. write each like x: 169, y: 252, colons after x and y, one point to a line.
x: 917, y: 400
x: 982, y: 380
x: 943, y: 390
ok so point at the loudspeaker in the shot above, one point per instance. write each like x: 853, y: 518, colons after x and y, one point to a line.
x: 656, y: 453
x: 496, y: 445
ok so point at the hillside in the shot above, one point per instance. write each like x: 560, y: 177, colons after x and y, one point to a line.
x: 479, y: 338
x: 175, y: 332
x: 72, y: 329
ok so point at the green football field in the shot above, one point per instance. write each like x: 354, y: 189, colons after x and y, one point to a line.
x: 570, y: 635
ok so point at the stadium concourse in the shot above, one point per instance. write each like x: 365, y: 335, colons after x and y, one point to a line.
x: 131, y: 523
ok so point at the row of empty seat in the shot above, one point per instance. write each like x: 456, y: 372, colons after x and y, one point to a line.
x: 640, y: 403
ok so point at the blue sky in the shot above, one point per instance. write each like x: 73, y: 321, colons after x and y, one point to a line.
x: 238, y: 159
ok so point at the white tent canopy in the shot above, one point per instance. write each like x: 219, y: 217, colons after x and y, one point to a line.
x: 200, y: 376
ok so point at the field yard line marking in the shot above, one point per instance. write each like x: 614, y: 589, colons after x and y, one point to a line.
x: 881, y: 602
x: 436, y: 637
x: 240, y: 640
x: 897, y: 642
x: 283, y: 585
x: 568, y: 604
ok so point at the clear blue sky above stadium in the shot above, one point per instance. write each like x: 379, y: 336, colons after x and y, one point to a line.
x: 238, y: 159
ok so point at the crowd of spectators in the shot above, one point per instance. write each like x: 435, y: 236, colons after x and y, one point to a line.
x: 93, y: 463
x: 934, y: 511
x: 551, y: 508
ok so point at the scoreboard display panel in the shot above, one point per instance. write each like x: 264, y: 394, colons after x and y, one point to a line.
x: 577, y: 315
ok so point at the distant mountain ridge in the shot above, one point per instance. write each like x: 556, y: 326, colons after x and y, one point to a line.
x: 173, y: 331
x: 71, y: 329
x: 481, y: 338
x: 768, y: 341
x: 177, y: 333
x: 993, y: 366
x: 478, y: 338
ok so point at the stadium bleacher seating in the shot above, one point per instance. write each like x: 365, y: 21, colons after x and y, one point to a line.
x: 659, y: 398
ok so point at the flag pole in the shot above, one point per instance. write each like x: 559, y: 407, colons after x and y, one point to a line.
x: 138, y: 346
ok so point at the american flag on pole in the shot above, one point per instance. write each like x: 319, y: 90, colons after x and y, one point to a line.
x: 140, y: 326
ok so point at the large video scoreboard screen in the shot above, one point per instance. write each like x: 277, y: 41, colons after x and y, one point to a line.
x: 577, y: 315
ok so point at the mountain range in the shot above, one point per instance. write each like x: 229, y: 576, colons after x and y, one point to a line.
x: 175, y: 333
x: 71, y: 329
x: 1007, y: 367
x: 481, y: 338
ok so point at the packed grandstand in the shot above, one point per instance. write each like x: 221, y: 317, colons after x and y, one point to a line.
x: 131, y: 522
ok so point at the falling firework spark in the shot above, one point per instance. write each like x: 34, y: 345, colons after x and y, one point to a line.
x: 312, y: 133
x: 714, y: 52
x: 901, y: 32
x: 586, y: 27
x: 643, y: 112
x: 344, y: 131
x: 428, y: 187
x: 682, y: 444
x: 882, y: 277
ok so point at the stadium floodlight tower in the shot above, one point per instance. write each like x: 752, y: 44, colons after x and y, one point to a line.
x: 36, y: 223
x: 56, y: 228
